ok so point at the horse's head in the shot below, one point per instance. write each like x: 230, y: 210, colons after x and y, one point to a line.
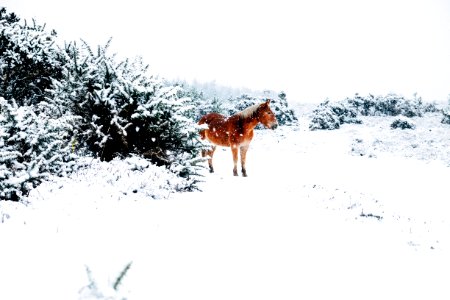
x: 266, y: 115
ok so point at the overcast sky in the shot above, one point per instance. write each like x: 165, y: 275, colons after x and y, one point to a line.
x: 310, y: 49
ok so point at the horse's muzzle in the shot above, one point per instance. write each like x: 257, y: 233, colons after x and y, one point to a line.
x: 274, y: 126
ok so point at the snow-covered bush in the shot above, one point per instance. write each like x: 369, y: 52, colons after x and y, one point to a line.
x: 324, y: 118
x: 405, y: 107
x: 345, y: 113
x: 125, y: 111
x: 446, y: 113
x: 118, y: 108
x: 389, y: 105
x: 403, y: 123
x: 28, y: 60
x: 430, y: 108
x: 34, y: 141
x: 32, y: 146
x: 327, y: 115
x: 331, y: 116
x: 280, y: 106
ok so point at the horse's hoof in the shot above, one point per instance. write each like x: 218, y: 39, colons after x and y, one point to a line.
x: 211, y: 170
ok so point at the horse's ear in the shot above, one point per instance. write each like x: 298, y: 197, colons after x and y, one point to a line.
x: 268, y: 101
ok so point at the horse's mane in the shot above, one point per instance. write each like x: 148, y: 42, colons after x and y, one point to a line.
x: 249, y: 112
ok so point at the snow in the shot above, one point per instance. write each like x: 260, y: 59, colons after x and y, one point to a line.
x: 345, y: 214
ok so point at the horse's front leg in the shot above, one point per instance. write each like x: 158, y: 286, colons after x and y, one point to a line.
x: 210, y: 154
x: 243, y: 157
x: 234, y: 151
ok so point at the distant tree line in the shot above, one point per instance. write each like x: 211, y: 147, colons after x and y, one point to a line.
x: 228, y: 106
x: 331, y: 115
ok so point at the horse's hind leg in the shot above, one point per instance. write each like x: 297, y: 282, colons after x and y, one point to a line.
x: 210, y: 154
x: 243, y: 157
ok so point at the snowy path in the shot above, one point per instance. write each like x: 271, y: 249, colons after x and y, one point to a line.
x: 292, y: 230
x: 268, y: 236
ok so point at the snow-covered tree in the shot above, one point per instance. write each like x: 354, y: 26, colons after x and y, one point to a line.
x: 240, y: 103
x: 201, y: 103
x: 32, y: 147
x: 285, y: 115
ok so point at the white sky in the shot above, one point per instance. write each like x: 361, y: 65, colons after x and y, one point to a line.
x: 310, y: 49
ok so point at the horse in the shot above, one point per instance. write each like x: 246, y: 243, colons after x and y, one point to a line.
x: 235, y: 131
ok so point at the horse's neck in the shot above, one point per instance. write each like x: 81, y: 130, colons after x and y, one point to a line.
x: 250, y: 123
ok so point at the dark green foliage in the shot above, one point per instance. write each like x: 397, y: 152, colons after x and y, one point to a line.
x: 28, y: 60
x: 242, y: 102
x: 329, y: 116
x: 93, y: 88
x: 446, y: 115
x: 389, y: 105
x: 34, y: 141
x: 10, y: 18
x: 123, y: 111
x: 325, y: 118
x: 285, y: 115
x: 403, y: 123
x: 345, y: 114
x: 430, y: 108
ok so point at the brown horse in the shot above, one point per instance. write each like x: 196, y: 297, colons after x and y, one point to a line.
x: 235, y: 131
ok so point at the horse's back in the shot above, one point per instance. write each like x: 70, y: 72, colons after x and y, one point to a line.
x: 212, y: 118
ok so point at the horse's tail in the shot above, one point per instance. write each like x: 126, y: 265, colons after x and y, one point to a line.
x: 202, y: 131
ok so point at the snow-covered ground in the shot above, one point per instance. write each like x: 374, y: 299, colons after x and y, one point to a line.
x: 356, y: 213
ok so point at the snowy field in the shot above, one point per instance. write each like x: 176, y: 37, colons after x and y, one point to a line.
x: 356, y: 213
